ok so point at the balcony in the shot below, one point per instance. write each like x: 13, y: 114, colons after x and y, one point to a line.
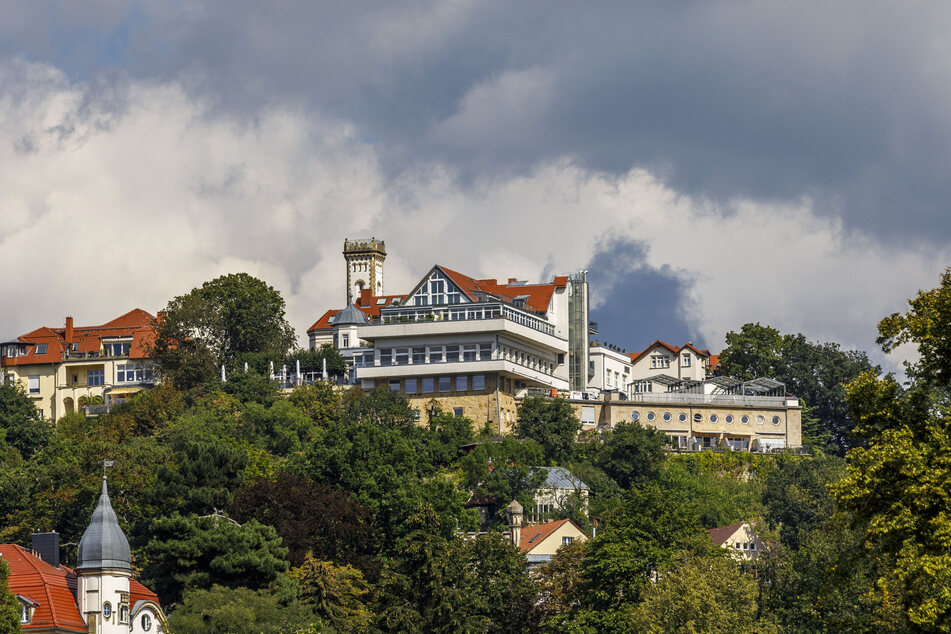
x: 464, y: 312
x: 484, y: 366
x: 735, y: 400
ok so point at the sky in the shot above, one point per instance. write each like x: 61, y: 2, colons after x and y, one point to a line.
x: 709, y: 163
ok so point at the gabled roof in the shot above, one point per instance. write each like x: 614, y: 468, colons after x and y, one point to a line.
x: 135, y: 324
x: 720, y: 534
x: 636, y: 356
x: 561, y: 478
x: 537, y: 296
x: 369, y: 305
x: 45, y: 585
x: 533, y: 536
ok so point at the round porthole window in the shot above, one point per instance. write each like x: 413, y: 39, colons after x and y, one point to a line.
x: 666, y: 417
x: 729, y: 419
x: 635, y: 415
x: 714, y: 418
x: 146, y: 622
x: 698, y: 418
x: 760, y: 420
x: 775, y: 420
x: 651, y: 416
x: 683, y: 418
x: 745, y: 420
x: 106, y: 610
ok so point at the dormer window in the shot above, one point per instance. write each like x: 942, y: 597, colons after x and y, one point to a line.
x: 40, y: 348
x: 27, y: 608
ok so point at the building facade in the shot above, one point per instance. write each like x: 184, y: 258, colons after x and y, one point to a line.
x: 81, y: 368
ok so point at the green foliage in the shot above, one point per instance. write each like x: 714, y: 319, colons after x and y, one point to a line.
x: 698, y: 594
x: 380, y: 406
x: 503, y: 471
x: 228, y: 610
x: 21, y: 424
x: 927, y: 325
x: 560, y: 586
x: 190, y: 551
x: 9, y: 606
x: 313, y: 360
x: 251, y: 387
x: 338, y: 594
x: 312, y: 518
x: 319, y: 401
x: 631, y: 453
x: 815, y: 372
x: 229, y: 316
x: 448, y: 433
x: 797, y: 498
x: 637, y: 538
x: 552, y: 424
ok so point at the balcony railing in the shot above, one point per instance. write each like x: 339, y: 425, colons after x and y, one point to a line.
x: 709, y: 399
x: 463, y: 312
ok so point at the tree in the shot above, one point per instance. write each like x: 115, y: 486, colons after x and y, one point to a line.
x: 551, y: 423
x: 560, y: 586
x: 313, y: 360
x: 10, y: 609
x: 312, y: 518
x: 190, y: 551
x: 503, y: 471
x: 226, y: 610
x: 815, y: 372
x: 698, y: 594
x: 213, y: 325
x: 337, y: 594
x: 631, y: 453
x: 928, y: 326
x: 21, y: 422
x: 318, y: 400
x: 797, y: 498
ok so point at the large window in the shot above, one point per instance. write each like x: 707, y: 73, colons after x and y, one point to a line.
x: 485, y: 351
x: 40, y: 348
x: 445, y: 383
x: 395, y: 385
x: 659, y: 361
x: 428, y: 385
x: 96, y: 377
x: 34, y: 384
x: 435, y: 354
x: 478, y: 382
x: 117, y: 349
x: 419, y: 355
x: 386, y: 356
x: 402, y: 356
x: 462, y: 383
x: 410, y: 386
x: 131, y: 373
x: 470, y: 352
x: 452, y: 354
x: 685, y: 360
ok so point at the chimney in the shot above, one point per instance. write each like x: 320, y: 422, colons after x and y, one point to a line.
x: 512, y: 280
x: 69, y: 329
x: 160, y: 316
x: 46, y: 545
x: 366, y: 296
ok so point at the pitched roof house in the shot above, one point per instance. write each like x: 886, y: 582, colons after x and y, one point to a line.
x: 740, y: 539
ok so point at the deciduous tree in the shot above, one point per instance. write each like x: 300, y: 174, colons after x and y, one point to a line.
x: 551, y: 423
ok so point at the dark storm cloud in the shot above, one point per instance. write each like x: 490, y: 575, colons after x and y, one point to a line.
x: 635, y: 304
x: 843, y: 102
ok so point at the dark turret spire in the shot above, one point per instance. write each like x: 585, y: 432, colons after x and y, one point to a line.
x: 103, y: 545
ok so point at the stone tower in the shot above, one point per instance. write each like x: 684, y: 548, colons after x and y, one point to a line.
x: 364, y: 266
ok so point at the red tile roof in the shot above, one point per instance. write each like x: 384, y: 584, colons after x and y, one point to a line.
x: 635, y: 356
x: 532, y: 536
x: 721, y: 533
x: 138, y: 592
x: 136, y: 324
x: 48, y: 586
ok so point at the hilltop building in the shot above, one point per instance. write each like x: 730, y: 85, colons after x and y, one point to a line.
x: 99, y: 596
x: 81, y: 367
x: 477, y: 347
x: 740, y: 539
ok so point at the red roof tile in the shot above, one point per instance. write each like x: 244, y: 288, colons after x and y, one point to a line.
x: 532, y: 536
x: 46, y: 585
x: 635, y: 356
x: 138, y: 592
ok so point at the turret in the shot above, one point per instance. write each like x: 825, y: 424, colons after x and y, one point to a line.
x: 515, y: 512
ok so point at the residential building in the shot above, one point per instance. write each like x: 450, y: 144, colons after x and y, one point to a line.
x: 740, y: 539
x: 99, y: 596
x: 560, y: 490
x: 686, y: 362
x: 81, y: 367
x: 463, y: 344
x: 540, y: 542
x: 609, y: 370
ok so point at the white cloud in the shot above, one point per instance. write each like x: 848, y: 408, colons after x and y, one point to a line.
x: 128, y: 197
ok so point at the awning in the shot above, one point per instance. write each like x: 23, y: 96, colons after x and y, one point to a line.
x: 113, y: 391
x: 771, y: 443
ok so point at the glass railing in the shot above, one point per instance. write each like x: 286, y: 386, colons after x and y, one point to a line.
x: 463, y: 312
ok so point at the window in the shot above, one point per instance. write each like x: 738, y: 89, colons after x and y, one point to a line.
x: 666, y: 417
x: 386, y: 356
x: 25, y: 613
x: 457, y: 411
x: 34, y: 383
x: 659, y: 361
x: 685, y: 360
x: 344, y: 341
x: 452, y: 354
x: 96, y: 377
x: 129, y: 373
x: 445, y: 383
x: 470, y: 352
x: 698, y: 418
x: 729, y: 419
x: 760, y: 419
x: 419, y: 355
x: 401, y: 356
x: 427, y: 386
x: 567, y: 540
x: 40, y: 348
x: 395, y: 385
x: 713, y: 418
x: 113, y: 349
x: 462, y: 383
x: 752, y: 545
x: 775, y: 420
x: 682, y: 418
x: 651, y: 416
x: 381, y: 301
x: 435, y: 354
x: 635, y: 415
x: 146, y: 622
x: 587, y: 415
x: 745, y: 420
x: 485, y: 351
x: 123, y: 614
x: 106, y: 610
x: 411, y: 386
x: 478, y: 382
